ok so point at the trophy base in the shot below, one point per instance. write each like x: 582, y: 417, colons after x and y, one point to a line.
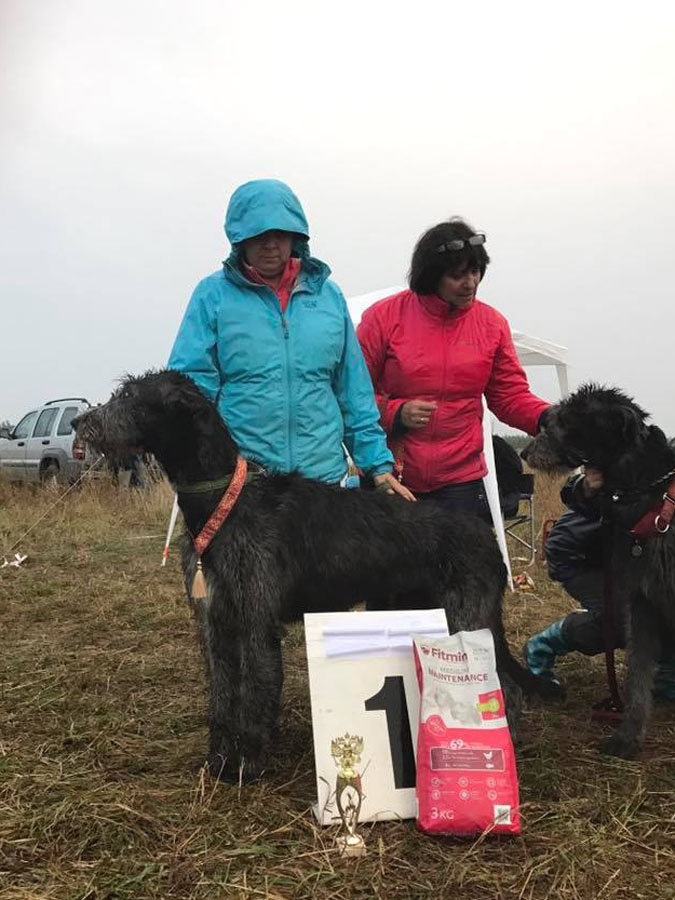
x: 351, y: 845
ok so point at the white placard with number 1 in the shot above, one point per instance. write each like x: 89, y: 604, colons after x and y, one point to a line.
x: 362, y: 681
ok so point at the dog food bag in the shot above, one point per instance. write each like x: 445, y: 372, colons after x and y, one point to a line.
x: 466, y: 767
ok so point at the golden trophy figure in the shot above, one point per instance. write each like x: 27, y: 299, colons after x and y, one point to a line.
x: 346, y: 751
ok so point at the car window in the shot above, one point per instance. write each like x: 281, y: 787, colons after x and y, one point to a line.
x: 45, y: 422
x: 69, y: 414
x: 25, y: 426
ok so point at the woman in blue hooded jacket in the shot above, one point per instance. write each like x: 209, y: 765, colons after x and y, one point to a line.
x: 269, y: 339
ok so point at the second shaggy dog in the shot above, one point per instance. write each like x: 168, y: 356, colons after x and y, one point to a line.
x: 604, y: 429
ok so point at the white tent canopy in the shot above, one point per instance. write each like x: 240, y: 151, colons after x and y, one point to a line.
x: 531, y: 351
x: 534, y: 351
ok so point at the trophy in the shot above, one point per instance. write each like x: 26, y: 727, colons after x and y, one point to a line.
x: 346, y: 751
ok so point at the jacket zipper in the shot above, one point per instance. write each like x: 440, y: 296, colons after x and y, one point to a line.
x: 289, y: 378
x: 287, y: 357
x: 286, y: 333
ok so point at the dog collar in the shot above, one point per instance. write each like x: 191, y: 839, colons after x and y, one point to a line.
x: 204, y: 487
x: 657, y: 520
x: 215, y: 522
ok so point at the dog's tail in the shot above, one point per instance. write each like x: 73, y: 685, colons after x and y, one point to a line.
x: 530, y: 684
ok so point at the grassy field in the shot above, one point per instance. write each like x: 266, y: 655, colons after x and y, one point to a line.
x: 102, y: 736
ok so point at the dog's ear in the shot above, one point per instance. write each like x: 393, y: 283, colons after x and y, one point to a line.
x: 176, y: 398
x: 178, y: 391
x: 658, y: 435
x: 630, y: 423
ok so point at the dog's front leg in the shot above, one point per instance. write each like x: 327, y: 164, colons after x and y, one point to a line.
x: 260, y: 681
x: 644, y: 650
x: 246, y: 675
x: 222, y: 651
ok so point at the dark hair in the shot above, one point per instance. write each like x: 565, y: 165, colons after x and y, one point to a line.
x: 428, y: 265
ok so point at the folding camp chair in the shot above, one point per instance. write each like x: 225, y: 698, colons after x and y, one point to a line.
x: 526, y: 518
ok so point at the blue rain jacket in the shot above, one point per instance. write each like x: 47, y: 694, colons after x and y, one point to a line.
x: 292, y: 387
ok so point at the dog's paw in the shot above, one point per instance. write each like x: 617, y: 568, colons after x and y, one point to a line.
x: 232, y: 771
x: 620, y: 745
x: 550, y: 689
x: 222, y: 769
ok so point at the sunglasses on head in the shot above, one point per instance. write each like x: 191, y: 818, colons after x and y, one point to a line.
x: 476, y: 240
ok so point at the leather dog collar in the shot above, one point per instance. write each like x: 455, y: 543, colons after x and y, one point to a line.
x: 205, y: 487
x: 657, y: 520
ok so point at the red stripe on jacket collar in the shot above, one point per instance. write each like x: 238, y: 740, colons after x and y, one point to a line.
x: 224, y: 508
x: 286, y: 283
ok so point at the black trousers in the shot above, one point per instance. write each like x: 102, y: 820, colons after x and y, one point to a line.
x: 467, y: 497
x: 583, y: 630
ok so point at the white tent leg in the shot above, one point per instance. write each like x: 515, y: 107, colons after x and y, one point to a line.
x: 172, y: 525
x: 562, y: 380
x: 492, y: 491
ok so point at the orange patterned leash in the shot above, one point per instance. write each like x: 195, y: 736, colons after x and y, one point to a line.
x: 215, y: 522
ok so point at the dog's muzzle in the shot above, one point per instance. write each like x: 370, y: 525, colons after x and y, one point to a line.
x: 545, y: 453
x: 86, y: 430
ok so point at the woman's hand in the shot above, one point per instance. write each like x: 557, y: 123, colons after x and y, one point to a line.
x: 391, y: 485
x: 416, y: 413
x: 593, y: 481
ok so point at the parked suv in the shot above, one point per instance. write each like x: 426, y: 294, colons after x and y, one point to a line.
x: 43, y: 446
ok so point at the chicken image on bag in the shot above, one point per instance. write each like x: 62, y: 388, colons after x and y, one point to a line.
x: 466, y: 768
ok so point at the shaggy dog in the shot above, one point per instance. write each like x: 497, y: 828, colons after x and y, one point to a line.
x: 604, y: 429
x: 290, y: 546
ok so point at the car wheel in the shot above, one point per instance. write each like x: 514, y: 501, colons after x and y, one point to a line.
x: 49, y: 475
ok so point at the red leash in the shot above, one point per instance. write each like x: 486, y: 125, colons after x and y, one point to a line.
x: 611, y: 708
x: 215, y: 522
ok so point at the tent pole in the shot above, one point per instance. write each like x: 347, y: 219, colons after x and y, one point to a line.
x: 172, y: 525
x: 492, y: 491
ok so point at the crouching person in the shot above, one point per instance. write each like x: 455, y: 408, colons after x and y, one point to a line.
x: 574, y: 559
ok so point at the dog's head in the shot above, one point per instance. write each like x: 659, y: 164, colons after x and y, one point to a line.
x: 596, y: 426
x: 163, y: 413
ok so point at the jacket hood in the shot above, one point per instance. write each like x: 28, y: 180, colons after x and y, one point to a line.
x: 263, y: 205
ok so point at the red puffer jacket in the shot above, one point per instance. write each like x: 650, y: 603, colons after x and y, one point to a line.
x: 418, y: 348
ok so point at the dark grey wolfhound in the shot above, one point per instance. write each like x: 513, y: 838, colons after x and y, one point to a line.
x: 292, y: 545
x: 605, y: 429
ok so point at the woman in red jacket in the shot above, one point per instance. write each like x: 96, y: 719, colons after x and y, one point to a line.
x: 433, y: 352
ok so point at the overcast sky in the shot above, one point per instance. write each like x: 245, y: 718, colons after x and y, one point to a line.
x: 125, y: 126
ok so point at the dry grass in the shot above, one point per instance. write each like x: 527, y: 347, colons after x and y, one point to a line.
x: 102, y: 734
